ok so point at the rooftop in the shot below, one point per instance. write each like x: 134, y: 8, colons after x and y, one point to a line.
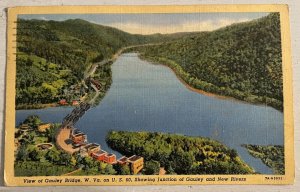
x: 101, y: 152
x: 24, y: 126
x: 79, y: 144
x: 79, y: 134
x: 123, y: 159
x: 134, y: 158
x: 76, y: 131
x: 92, y: 145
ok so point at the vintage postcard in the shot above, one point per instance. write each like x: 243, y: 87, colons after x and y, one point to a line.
x: 149, y: 95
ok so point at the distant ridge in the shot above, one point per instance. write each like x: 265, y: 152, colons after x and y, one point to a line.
x: 242, y: 60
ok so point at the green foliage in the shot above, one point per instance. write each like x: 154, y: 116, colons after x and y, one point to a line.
x: 271, y: 155
x: 182, y: 161
x: 40, y: 82
x: 179, y: 154
x: 34, y: 168
x: 22, y: 153
x: 151, y: 167
x: 109, y: 170
x: 30, y: 160
x: 53, y: 155
x: 242, y: 60
x: 36, y: 155
x: 53, y: 55
x: 122, y: 169
x: 33, y: 121
x: 47, y: 49
x: 51, y: 132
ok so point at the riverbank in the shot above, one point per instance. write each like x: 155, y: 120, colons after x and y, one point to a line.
x: 36, y: 106
x: 89, y: 72
x: 270, y: 155
x: 211, y: 90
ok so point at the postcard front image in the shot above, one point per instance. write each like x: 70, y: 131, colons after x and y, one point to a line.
x: 149, y: 95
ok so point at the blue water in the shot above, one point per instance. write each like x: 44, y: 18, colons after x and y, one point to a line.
x: 149, y: 97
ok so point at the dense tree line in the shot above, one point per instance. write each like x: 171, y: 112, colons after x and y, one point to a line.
x: 33, y: 168
x: 271, y: 155
x: 241, y: 60
x: 178, y: 154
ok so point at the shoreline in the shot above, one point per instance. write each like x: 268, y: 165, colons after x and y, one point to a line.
x: 112, y: 59
x: 189, y: 87
x: 202, y: 92
x: 209, y: 94
x: 37, y: 106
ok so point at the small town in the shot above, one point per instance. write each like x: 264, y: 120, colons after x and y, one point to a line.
x: 80, y: 142
x: 71, y: 141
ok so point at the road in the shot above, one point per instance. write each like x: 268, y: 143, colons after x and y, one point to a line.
x: 63, y: 136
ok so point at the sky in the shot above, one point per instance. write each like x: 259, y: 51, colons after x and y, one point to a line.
x: 157, y: 23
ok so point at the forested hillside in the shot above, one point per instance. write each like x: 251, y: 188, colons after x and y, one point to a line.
x: 180, y: 154
x: 271, y: 155
x: 52, y: 56
x: 242, y: 60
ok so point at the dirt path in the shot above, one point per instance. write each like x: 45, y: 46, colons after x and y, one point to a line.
x: 71, y: 173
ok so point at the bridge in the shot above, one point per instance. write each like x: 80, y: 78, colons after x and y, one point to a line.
x: 75, y: 115
x: 63, y: 135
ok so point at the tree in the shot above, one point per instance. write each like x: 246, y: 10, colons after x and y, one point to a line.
x: 73, y: 161
x: 50, y: 133
x: 170, y: 170
x: 33, y: 121
x: 122, y: 169
x: 109, y: 170
x: 35, y: 154
x: 182, y: 161
x: 88, y: 162
x: 65, y: 158
x: 22, y: 153
x: 151, y: 167
x: 53, y: 155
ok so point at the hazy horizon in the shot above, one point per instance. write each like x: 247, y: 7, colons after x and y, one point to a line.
x: 146, y: 24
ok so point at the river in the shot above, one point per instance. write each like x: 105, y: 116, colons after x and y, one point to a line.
x: 150, y: 97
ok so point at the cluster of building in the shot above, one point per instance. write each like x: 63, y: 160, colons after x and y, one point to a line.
x: 79, y: 140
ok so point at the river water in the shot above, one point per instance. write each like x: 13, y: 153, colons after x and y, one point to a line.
x: 149, y: 97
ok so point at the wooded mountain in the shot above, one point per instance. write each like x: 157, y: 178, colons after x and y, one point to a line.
x: 241, y: 60
x: 53, y: 55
